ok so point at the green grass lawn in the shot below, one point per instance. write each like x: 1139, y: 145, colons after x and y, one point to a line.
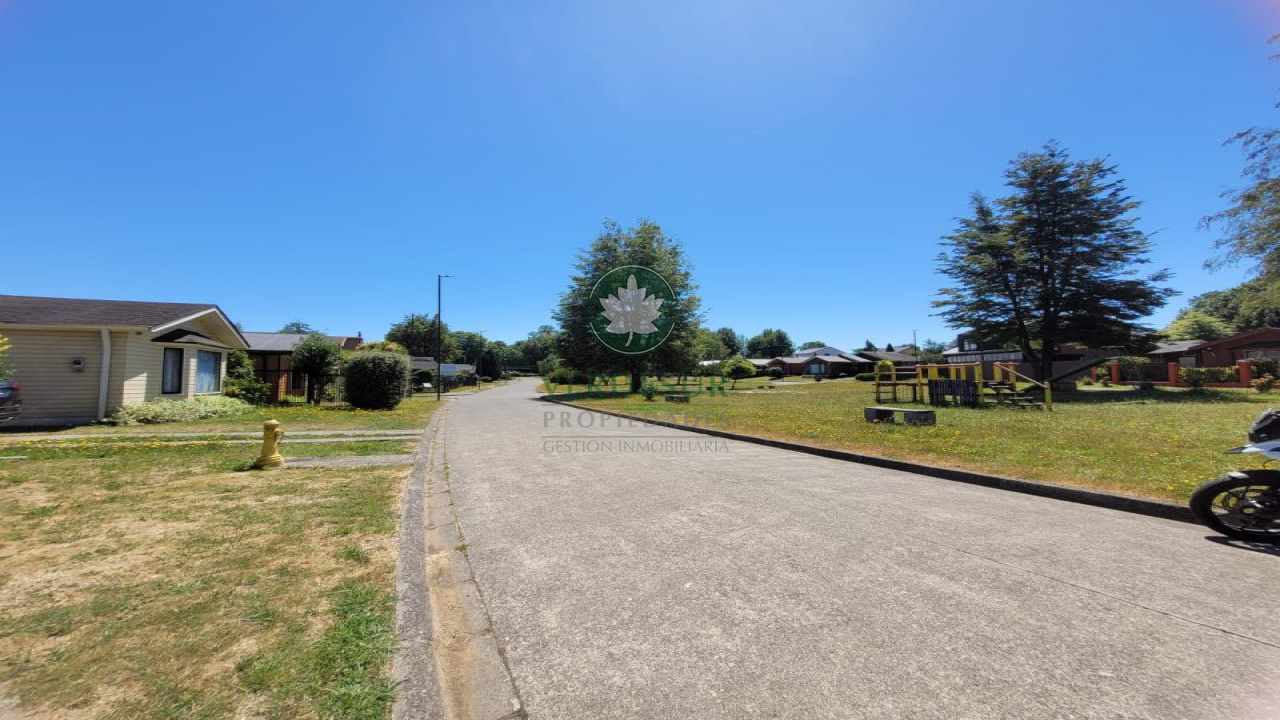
x: 413, y: 413
x: 142, y: 580
x: 1159, y: 445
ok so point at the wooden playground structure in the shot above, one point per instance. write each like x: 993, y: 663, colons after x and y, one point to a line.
x: 960, y: 384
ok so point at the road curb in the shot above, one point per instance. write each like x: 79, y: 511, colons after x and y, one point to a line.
x: 413, y: 666
x: 1152, y: 508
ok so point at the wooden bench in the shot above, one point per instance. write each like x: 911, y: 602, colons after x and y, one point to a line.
x: 678, y: 397
x: 877, y: 413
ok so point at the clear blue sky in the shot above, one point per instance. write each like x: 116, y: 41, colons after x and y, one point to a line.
x: 323, y: 161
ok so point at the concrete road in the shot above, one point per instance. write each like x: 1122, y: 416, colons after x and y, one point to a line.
x: 737, y: 581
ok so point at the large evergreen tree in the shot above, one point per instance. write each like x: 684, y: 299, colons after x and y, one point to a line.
x: 417, y: 333
x: 770, y: 343
x: 645, y: 245
x: 734, y: 344
x: 1052, y: 262
x: 1251, y: 224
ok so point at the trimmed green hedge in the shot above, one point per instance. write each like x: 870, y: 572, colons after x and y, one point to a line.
x: 376, y: 379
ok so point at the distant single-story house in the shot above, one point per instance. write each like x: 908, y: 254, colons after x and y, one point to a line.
x: 831, y: 362
x: 1260, y: 343
x: 819, y: 365
x: 454, y: 369
x: 1069, y: 356
x: 79, y: 360
x: 272, y: 356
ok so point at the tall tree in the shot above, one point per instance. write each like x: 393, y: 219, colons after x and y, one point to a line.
x: 707, y: 345
x: 811, y: 344
x: 645, y: 245
x: 930, y: 352
x: 1192, y: 324
x: 417, y: 333
x: 535, y: 348
x: 470, y: 345
x: 868, y: 345
x: 298, y: 327
x: 1239, y: 306
x: 770, y: 343
x: 733, y: 341
x: 1251, y: 224
x: 1052, y: 262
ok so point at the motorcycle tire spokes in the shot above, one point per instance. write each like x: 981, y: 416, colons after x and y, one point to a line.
x: 1253, y: 509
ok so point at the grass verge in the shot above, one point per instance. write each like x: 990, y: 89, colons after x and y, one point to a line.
x: 144, y: 580
x: 412, y: 413
x: 1160, y: 444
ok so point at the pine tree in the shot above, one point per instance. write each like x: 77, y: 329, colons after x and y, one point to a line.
x: 1052, y: 262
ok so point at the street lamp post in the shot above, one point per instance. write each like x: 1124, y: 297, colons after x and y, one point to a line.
x: 439, y: 336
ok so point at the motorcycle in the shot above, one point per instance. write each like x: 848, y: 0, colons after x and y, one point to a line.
x: 1245, y: 504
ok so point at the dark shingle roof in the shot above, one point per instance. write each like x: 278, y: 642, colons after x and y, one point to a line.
x: 25, y: 310
x: 188, y: 337
x: 891, y: 356
x: 285, y: 342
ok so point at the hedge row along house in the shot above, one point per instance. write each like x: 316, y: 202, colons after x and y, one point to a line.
x: 79, y: 360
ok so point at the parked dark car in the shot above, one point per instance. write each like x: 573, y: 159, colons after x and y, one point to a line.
x: 10, y: 400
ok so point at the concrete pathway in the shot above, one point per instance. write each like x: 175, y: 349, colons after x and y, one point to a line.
x: 651, y: 573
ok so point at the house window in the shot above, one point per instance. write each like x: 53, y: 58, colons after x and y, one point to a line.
x: 815, y: 368
x: 171, y: 377
x: 208, y: 371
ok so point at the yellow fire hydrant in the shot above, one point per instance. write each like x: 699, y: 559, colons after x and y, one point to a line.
x: 270, y: 457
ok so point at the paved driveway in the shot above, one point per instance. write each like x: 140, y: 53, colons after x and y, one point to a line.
x: 737, y: 581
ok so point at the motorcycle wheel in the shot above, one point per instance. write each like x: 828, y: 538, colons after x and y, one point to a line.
x: 1241, y: 505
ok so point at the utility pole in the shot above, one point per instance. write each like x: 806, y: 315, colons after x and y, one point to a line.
x: 439, y: 335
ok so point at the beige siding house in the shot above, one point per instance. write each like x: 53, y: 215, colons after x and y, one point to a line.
x: 79, y: 360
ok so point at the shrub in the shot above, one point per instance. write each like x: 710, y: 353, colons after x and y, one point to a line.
x: 320, y: 359
x: 6, y: 367
x: 865, y: 377
x: 375, y: 379
x: 164, y: 410
x: 1265, y: 366
x: 249, y: 389
x: 648, y: 391
x: 775, y: 372
x: 817, y: 378
x: 385, y: 345
x: 1197, y: 377
x: 1264, y: 384
x: 567, y: 376
x: 486, y: 379
x: 737, y: 368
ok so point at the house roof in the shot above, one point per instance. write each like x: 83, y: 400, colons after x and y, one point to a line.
x: 890, y: 356
x: 28, y: 310
x: 1176, y: 347
x: 1244, y: 338
x: 760, y: 361
x: 188, y: 337
x: 824, y: 350
x: 286, y: 342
